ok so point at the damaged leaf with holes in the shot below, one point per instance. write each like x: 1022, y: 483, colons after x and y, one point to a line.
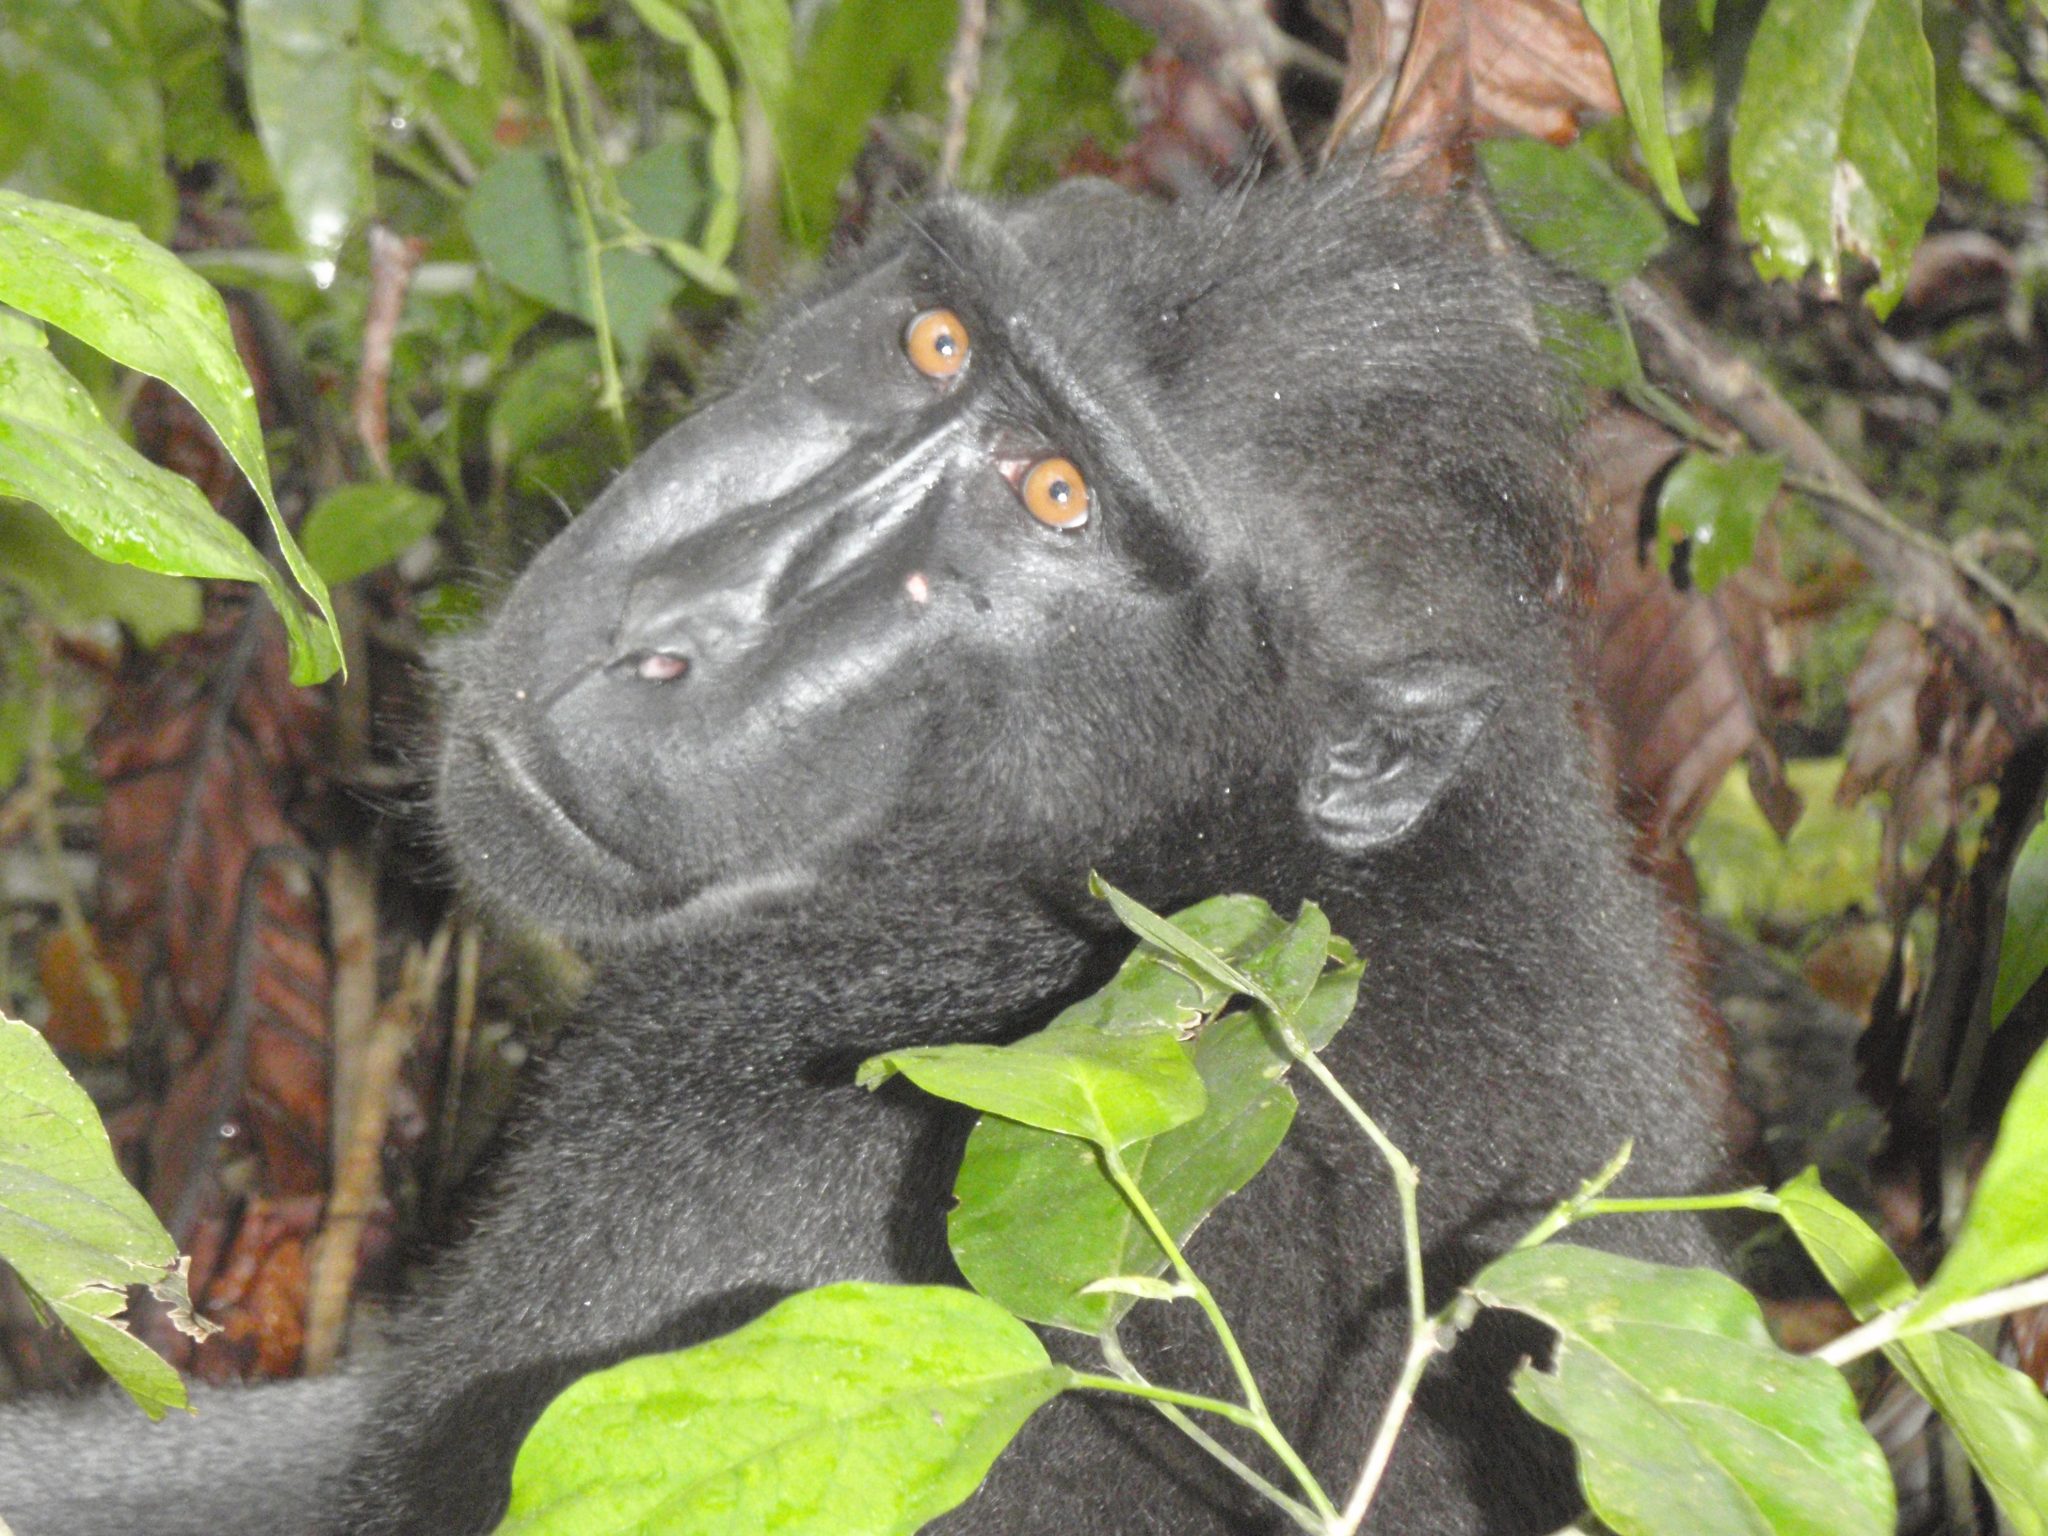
x: 72, y: 1229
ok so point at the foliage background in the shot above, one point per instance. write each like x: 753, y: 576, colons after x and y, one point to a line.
x: 476, y: 253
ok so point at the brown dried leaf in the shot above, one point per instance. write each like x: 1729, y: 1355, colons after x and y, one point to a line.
x: 205, y: 897
x: 1476, y: 69
x: 1665, y: 672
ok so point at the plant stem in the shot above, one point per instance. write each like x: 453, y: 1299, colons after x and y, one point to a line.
x: 1245, y: 1418
x: 1426, y: 1339
x: 1423, y: 1346
x: 612, y: 395
x: 1734, y: 1200
x: 1406, y: 1180
x: 1120, y: 1175
x: 1901, y: 1323
x: 1257, y: 1419
x: 1294, y: 1509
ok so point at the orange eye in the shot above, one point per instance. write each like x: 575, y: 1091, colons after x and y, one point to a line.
x: 937, y: 343
x: 1055, y: 493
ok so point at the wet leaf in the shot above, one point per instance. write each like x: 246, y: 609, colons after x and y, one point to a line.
x: 136, y: 302
x: 1635, y: 47
x: 306, y: 92
x: 1684, y: 1414
x: 55, y: 451
x: 1834, y: 144
x: 855, y: 1410
x: 1715, y: 502
x: 71, y: 1227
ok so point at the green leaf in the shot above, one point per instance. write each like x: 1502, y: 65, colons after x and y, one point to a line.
x: 1834, y: 141
x: 360, y: 527
x: 1715, y: 502
x: 430, y: 35
x: 1594, y: 347
x: 861, y: 51
x: 74, y: 1231
x: 856, y: 1410
x: 74, y: 588
x: 1684, y: 1414
x: 1110, y: 1089
x: 55, y: 451
x: 520, y: 219
x: 548, y: 395
x: 759, y: 33
x: 1036, y: 1218
x: 2023, y: 947
x: 1858, y: 1263
x: 136, y: 302
x: 1997, y: 1414
x: 1158, y: 931
x: 305, y: 73
x: 1573, y: 209
x: 2005, y: 1234
x: 1635, y: 47
x: 714, y: 96
x: 84, y: 118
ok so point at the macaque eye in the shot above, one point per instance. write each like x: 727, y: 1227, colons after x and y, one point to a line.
x: 1055, y: 493
x: 937, y: 344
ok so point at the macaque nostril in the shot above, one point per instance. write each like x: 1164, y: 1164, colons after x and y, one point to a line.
x: 657, y: 666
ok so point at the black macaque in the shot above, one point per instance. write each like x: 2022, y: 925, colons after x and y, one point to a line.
x: 1214, y: 546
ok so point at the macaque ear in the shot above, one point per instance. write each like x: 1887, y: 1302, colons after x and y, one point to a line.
x: 1411, y: 728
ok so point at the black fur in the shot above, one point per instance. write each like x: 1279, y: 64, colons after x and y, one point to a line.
x: 1302, y: 648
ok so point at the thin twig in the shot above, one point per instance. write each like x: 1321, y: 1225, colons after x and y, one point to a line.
x: 392, y: 262
x: 357, y: 1184
x: 1294, y: 1509
x: 1900, y: 1323
x: 963, y: 78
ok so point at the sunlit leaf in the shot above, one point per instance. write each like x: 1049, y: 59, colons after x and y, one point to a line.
x: 134, y: 301
x: 1685, y: 1416
x: 856, y: 1410
x: 1110, y: 1089
x: 1834, y: 145
x: 1715, y: 502
x: 306, y: 92
x: 1630, y: 31
x: 71, y: 1228
x: 1036, y: 1218
x: 1998, y: 1415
